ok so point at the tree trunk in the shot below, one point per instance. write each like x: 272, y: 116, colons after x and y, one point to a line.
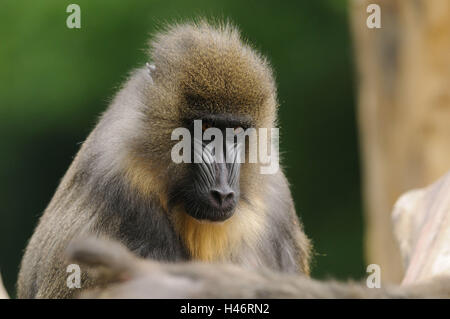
x: 404, y: 111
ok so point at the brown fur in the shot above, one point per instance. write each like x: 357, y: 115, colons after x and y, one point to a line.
x: 217, y: 241
x: 211, y: 68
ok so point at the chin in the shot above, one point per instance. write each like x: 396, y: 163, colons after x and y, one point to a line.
x: 210, y: 214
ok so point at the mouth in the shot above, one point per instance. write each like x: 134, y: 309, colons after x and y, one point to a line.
x: 199, y: 205
x: 207, y: 213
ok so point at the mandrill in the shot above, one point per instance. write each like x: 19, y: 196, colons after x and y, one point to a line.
x: 125, y: 185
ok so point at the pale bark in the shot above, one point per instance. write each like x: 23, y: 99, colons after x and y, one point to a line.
x: 422, y: 226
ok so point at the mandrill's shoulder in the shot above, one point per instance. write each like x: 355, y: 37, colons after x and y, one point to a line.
x: 286, y: 229
x: 278, y: 191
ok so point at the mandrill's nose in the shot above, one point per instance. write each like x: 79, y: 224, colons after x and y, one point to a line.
x: 222, y: 198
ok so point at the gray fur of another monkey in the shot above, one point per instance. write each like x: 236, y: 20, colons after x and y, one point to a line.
x: 124, y: 185
x: 124, y: 276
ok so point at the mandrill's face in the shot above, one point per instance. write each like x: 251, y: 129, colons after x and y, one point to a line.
x: 210, y: 190
x: 210, y: 76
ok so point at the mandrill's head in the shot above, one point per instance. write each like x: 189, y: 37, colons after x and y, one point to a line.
x: 200, y: 72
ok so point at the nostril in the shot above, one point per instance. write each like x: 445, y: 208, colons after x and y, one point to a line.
x: 221, y: 197
x: 216, y: 196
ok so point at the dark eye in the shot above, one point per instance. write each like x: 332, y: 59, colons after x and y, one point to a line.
x: 205, y: 126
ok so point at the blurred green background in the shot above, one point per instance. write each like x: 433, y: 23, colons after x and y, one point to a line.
x: 55, y: 81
